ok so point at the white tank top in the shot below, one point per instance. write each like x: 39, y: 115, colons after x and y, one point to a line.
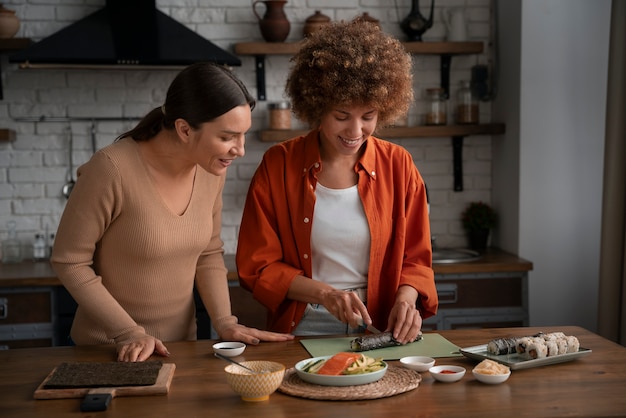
x: 340, y: 238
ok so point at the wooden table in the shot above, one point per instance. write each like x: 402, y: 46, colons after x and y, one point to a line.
x: 590, y: 386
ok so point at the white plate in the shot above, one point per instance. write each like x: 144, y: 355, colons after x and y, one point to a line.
x: 343, y: 380
x: 517, y: 361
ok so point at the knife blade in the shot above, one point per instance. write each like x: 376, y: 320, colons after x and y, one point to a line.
x: 373, y: 329
x: 370, y: 328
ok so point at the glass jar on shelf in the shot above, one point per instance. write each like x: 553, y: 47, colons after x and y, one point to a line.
x: 280, y: 115
x: 436, y: 112
x: 467, y: 105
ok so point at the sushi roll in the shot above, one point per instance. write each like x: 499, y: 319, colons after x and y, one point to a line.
x: 501, y: 346
x: 553, y: 336
x: 374, y: 341
x: 553, y: 348
x: 537, y: 349
x: 522, y: 343
x: 572, y: 344
x: 562, y: 345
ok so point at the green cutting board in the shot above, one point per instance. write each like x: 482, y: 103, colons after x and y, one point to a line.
x: 431, y: 345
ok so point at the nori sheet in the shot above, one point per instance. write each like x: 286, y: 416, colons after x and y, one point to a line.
x: 109, y: 374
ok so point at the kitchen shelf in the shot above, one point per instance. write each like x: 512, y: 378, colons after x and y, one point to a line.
x: 274, y: 135
x: 444, y: 49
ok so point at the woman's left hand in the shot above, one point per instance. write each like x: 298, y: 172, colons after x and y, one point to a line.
x: 405, y: 321
x: 252, y: 336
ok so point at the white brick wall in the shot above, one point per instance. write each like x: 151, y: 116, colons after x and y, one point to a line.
x: 33, y: 169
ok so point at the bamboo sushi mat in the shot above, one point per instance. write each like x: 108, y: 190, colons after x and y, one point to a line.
x: 397, y: 380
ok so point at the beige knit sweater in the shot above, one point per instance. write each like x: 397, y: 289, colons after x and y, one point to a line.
x: 129, y: 262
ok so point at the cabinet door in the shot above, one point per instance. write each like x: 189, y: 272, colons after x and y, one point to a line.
x: 25, y: 318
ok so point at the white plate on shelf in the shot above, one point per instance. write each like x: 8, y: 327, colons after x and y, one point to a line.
x: 343, y: 380
x: 517, y: 361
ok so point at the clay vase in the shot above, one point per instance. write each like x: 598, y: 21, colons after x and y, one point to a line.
x: 9, y: 23
x: 274, y: 24
x: 314, y: 23
x: 414, y: 25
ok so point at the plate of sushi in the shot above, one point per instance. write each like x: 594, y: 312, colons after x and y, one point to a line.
x: 341, y: 369
x: 536, y: 350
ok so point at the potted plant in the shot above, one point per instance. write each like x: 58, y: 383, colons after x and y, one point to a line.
x: 478, y: 218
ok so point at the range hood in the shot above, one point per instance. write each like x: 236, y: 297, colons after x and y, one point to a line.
x: 123, y: 35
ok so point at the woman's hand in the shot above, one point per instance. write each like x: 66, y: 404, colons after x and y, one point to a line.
x: 251, y: 336
x: 346, y: 307
x: 141, y: 349
x: 405, y: 321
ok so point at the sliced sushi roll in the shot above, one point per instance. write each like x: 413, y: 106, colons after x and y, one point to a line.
x: 562, y: 345
x: 522, y: 343
x: 501, y: 346
x: 553, y: 348
x: 537, y: 349
x: 552, y: 336
x: 572, y: 344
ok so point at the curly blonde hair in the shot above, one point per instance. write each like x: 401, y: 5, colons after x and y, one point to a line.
x: 349, y: 63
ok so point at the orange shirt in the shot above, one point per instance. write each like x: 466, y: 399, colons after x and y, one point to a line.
x: 274, y: 243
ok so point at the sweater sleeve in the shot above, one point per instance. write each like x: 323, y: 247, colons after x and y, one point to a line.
x: 92, y: 206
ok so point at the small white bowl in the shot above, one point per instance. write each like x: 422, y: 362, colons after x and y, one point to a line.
x: 491, y: 379
x: 418, y: 363
x: 441, y: 373
x: 229, y: 349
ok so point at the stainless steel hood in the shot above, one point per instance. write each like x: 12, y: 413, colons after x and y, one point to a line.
x: 124, y: 34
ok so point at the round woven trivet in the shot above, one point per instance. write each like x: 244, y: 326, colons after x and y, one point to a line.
x: 397, y: 380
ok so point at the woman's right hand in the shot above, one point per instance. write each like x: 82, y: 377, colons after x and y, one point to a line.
x: 140, y: 349
x: 346, y: 307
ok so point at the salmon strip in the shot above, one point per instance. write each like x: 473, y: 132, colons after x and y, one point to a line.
x: 335, y: 365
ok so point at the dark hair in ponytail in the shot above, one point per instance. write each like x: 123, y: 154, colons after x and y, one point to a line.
x: 200, y: 93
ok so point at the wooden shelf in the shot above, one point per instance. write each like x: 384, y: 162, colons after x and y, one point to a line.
x: 403, y: 132
x: 444, y: 49
x: 426, y: 48
x: 7, y: 135
x: 14, y: 44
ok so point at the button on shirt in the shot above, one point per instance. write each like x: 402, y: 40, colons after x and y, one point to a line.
x: 274, y: 239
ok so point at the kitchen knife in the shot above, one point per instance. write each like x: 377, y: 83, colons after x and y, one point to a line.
x: 370, y: 328
x: 373, y: 329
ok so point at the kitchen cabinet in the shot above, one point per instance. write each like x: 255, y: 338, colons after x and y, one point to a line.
x: 445, y: 50
x: 26, y: 317
x: 480, y: 300
x: 36, y: 310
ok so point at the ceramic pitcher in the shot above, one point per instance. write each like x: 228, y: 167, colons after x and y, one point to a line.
x: 274, y: 24
x: 456, y: 24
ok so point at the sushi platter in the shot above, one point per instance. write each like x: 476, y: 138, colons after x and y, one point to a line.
x: 516, y: 361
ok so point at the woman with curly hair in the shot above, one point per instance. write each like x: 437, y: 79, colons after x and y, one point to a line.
x: 335, y: 232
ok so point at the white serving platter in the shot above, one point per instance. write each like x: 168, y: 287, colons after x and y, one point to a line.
x: 517, y: 361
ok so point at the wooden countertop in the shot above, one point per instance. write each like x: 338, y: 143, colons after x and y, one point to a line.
x: 593, y: 385
x: 40, y: 273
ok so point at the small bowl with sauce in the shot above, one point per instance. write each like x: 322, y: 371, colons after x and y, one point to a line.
x: 229, y: 348
x: 447, y: 373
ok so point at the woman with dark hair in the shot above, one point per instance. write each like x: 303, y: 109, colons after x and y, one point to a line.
x: 142, y: 224
x: 335, y: 231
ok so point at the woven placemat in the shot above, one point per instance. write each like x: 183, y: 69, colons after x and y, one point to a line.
x: 397, y: 380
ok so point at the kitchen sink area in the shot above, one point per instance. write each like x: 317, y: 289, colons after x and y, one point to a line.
x: 454, y: 255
